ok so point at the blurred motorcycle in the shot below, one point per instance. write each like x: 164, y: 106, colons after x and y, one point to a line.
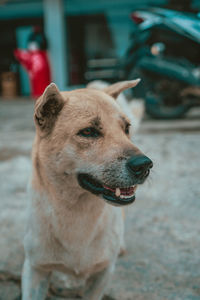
x: 165, y: 52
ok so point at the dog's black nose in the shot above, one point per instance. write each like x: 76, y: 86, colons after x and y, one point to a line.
x: 140, y: 166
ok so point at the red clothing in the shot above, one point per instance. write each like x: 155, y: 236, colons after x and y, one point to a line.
x: 37, y: 65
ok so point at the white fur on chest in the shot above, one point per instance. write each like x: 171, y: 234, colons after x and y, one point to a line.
x: 71, y: 241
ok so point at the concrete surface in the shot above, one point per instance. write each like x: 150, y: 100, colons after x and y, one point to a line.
x: 162, y: 226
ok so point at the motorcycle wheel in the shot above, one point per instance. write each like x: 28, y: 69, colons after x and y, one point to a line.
x: 162, y: 95
x: 158, y: 110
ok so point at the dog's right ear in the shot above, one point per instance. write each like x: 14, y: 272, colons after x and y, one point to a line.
x: 115, y: 89
x: 47, y: 108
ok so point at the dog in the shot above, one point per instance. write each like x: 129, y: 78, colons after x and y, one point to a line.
x: 85, y: 168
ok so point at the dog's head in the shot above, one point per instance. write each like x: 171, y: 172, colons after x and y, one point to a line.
x: 83, y: 140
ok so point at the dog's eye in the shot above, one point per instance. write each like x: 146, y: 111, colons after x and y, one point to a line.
x: 127, y: 128
x: 89, y: 132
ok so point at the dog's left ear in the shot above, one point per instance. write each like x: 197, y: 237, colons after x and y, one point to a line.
x: 115, y: 89
x: 47, y: 108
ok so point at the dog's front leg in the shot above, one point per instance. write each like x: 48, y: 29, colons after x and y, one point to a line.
x: 98, y: 287
x: 35, y: 282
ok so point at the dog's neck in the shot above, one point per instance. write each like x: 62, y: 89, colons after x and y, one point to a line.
x: 62, y: 190
x: 61, y: 204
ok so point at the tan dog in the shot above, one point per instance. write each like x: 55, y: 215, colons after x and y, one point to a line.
x: 83, y: 161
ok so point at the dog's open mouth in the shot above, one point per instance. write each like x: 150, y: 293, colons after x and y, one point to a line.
x: 115, y: 195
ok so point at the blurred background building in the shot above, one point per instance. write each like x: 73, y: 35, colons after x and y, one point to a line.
x: 80, y: 34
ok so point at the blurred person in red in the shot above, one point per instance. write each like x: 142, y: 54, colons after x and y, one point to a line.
x: 35, y: 61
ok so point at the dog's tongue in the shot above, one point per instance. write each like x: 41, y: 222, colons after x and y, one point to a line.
x: 122, y: 191
x: 127, y: 190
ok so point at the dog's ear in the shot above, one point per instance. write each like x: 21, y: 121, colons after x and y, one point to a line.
x: 47, y: 108
x: 115, y: 89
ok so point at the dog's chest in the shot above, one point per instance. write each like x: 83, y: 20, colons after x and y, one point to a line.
x: 90, y: 251
x: 82, y: 251
x: 77, y: 244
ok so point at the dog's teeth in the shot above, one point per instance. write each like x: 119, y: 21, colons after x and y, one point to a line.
x: 117, y: 192
x: 126, y: 197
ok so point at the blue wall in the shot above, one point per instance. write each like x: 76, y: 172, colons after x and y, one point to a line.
x: 117, y: 13
x: 21, y: 9
x: 34, y: 8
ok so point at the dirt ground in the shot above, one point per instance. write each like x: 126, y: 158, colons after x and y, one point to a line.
x: 162, y: 226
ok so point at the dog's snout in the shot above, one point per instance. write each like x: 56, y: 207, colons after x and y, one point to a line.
x: 140, y: 166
